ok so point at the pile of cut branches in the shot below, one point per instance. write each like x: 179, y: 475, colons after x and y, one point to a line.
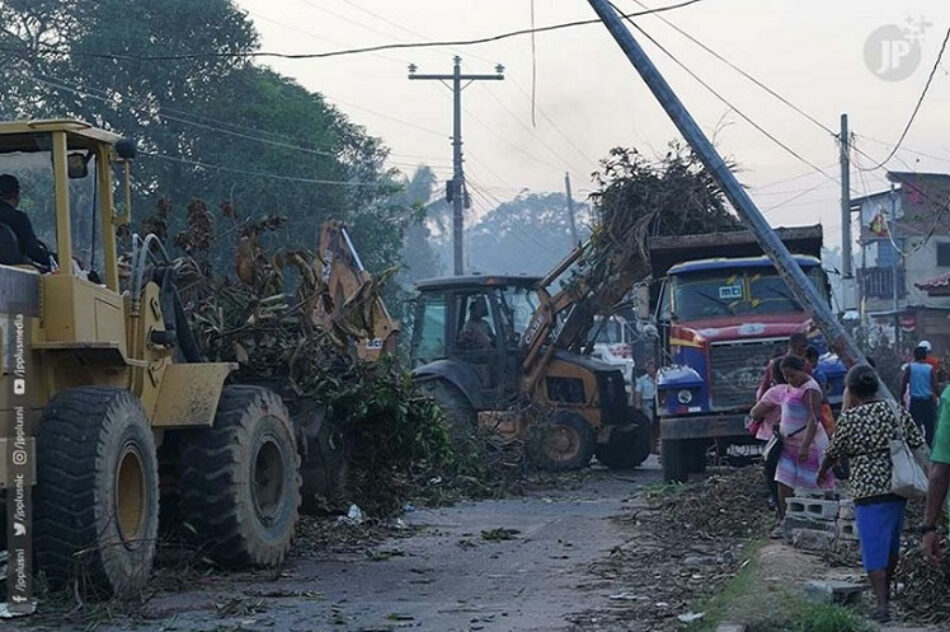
x: 260, y: 315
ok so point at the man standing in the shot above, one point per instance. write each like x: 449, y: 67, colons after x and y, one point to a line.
x: 644, y: 398
x: 934, y: 550
x: 19, y: 223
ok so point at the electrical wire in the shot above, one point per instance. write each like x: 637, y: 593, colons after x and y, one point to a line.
x: 920, y: 101
x: 742, y: 72
x: 91, y: 93
x: 339, y: 53
x: 723, y: 99
x: 262, y: 174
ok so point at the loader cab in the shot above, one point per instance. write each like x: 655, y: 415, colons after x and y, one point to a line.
x: 474, y: 325
x: 65, y: 170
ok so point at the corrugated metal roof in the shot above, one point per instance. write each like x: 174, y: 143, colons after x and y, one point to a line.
x: 940, y: 281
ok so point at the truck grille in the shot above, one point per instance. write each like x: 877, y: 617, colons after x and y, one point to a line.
x: 736, y: 369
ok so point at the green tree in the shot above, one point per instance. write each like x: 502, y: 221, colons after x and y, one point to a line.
x: 529, y: 234
x: 214, y: 127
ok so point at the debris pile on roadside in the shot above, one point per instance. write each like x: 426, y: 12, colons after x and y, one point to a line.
x: 259, y: 315
x: 687, y: 540
x: 923, y: 588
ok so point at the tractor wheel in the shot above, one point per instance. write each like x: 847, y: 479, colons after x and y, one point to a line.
x: 566, y: 443
x: 97, y: 492
x: 626, y: 449
x: 460, y: 416
x: 239, y: 482
x: 675, y: 456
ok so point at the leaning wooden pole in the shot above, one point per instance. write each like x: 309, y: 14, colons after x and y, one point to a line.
x: 803, y: 290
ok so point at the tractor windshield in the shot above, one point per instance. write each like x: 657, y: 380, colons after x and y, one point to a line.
x: 30, y: 160
x: 520, y: 304
x: 34, y: 170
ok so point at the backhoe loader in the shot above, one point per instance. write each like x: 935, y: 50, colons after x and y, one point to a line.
x: 105, y: 398
x: 529, y: 371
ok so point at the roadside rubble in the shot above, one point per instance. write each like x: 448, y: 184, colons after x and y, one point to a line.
x: 684, y: 543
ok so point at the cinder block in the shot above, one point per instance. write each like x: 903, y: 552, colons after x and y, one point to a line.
x: 848, y: 530
x: 830, y: 591
x: 846, y: 510
x: 731, y: 627
x: 818, y: 494
x: 815, y: 508
x: 813, y: 540
x: 803, y: 521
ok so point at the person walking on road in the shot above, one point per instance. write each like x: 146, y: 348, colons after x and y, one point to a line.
x: 935, y: 548
x: 803, y: 439
x: 863, y: 435
x: 921, y: 379
x: 644, y: 399
x: 766, y: 416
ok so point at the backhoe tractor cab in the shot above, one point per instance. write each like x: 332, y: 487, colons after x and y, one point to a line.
x: 476, y: 349
x: 104, y: 392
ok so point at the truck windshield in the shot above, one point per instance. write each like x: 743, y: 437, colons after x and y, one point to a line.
x: 714, y: 293
x: 34, y: 170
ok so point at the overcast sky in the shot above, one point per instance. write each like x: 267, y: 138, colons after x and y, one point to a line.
x: 589, y: 98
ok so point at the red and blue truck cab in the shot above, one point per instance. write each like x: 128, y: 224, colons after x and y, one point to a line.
x: 720, y: 320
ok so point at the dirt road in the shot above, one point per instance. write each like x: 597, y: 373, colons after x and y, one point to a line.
x: 447, y: 575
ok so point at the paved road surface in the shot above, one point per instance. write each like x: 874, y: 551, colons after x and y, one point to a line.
x: 447, y: 577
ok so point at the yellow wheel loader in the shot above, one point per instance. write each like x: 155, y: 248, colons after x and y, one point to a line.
x: 105, y: 403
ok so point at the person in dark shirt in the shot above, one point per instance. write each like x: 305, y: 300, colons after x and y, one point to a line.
x: 19, y: 223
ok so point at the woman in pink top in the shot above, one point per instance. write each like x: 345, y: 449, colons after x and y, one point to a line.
x: 803, y: 438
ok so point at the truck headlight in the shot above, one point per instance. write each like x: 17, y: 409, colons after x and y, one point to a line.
x: 684, y: 397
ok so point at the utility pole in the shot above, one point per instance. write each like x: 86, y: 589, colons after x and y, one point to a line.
x: 895, y: 270
x: 802, y: 289
x: 455, y: 189
x: 570, y: 210
x: 847, y: 272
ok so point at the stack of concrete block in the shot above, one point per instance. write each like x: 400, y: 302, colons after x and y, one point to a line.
x: 819, y: 520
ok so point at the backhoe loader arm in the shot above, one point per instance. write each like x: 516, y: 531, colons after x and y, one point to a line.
x: 350, y: 302
x: 563, y: 319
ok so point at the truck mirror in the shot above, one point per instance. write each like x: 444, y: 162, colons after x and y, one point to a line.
x: 77, y: 166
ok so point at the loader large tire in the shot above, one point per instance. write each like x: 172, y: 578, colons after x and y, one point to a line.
x: 627, y: 448
x: 239, y: 483
x: 460, y: 417
x: 96, y: 510
x: 562, y: 444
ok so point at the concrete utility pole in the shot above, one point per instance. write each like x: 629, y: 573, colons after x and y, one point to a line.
x: 455, y: 191
x: 847, y: 271
x: 570, y: 210
x: 895, y: 269
x: 803, y: 290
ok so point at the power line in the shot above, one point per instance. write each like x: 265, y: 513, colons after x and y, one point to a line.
x: 742, y: 72
x: 554, y: 124
x: 339, y: 53
x: 920, y: 101
x: 90, y: 93
x: 262, y: 174
x: 530, y: 131
x: 719, y: 96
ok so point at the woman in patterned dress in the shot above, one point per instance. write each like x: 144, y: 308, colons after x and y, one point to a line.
x: 863, y: 435
x: 803, y: 438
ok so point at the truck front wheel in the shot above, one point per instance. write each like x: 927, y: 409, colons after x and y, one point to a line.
x: 675, y: 456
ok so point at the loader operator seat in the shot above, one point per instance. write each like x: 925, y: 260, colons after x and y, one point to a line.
x: 11, y: 254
